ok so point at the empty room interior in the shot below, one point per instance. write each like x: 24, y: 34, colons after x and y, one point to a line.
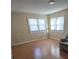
x: 39, y: 29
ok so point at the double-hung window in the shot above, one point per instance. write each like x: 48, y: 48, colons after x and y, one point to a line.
x: 33, y: 24
x: 37, y: 24
x: 57, y: 23
x: 41, y: 24
x: 60, y: 23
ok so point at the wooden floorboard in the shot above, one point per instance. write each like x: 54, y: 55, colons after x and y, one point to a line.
x: 41, y: 49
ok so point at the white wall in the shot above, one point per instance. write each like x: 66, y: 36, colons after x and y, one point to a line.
x: 20, y: 29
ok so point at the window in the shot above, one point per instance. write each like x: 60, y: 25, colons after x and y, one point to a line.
x: 57, y: 23
x: 33, y: 24
x: 41, y: 24
x: 37, y: 24
x: 60, y: 23
x: 53, y: 24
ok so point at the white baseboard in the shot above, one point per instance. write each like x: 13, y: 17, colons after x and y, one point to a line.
x: 33, y: 40
x: 26, y: 42
x: 54, y: 39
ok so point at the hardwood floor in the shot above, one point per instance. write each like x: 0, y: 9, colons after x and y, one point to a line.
x: 41, y: 49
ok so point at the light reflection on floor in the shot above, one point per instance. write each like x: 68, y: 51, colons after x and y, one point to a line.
x: 38, y: 53
x: 47, y: 50
x: 55, y: 52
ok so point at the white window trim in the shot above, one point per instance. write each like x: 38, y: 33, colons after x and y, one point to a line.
x: 37, y: 25
x: 56, y: 25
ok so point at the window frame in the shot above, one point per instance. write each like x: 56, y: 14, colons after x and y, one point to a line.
x: 32, y: 25
x: 41, y: 25
x: 56, y: 24
x: 38, y: 26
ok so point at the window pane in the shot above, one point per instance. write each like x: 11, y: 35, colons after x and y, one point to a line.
x: 33, y: 28
x: 53, y: 21
x: 33, y: 21
x: 42, y: 27
x: 60, y: 27
x: 53, y: 27
x: 33, y: 24
x: 53, y: 24
x: 60, y: 23
x: 60, y: 20
x: 42, y: 24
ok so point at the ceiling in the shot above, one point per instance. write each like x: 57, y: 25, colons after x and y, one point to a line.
x: 38, y: 6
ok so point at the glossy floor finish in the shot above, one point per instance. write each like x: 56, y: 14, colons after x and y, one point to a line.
x: 41, y: 49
